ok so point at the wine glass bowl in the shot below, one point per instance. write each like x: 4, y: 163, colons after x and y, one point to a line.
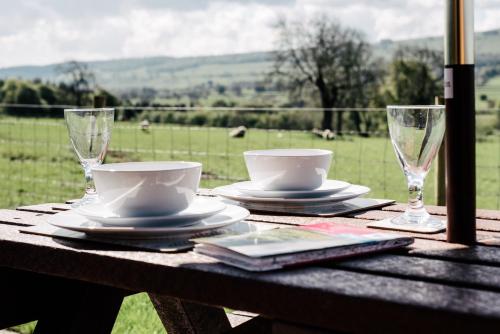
x: 416, y: 134
x: 90, y: 133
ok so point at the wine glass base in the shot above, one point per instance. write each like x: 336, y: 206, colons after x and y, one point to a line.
x: 86, y: 199
x: 418, y: 221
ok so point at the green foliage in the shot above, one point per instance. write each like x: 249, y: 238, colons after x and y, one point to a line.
x: 35, y: 92
x: 415, y: 77
x: 289, y: 120
x: 19, y: 92
x: 111, y: 100
x: 223, y: 104
x: 48, y: 94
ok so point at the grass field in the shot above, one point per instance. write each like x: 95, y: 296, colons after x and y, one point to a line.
x: 37, y: 165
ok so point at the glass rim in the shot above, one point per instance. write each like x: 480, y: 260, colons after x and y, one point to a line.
x: 89, y: 109
x: 418, y: 106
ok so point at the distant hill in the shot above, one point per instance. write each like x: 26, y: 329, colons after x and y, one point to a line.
x: 180, y: 73
x: 487, y: 45
x: 161, y: 72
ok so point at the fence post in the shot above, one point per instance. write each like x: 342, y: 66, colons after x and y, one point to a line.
x: 440, y: 178
x: 440, y: 174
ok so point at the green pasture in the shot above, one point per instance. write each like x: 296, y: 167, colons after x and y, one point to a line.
x: 37, y: 165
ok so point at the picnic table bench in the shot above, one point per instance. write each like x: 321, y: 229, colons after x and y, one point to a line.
x: 78, y: 287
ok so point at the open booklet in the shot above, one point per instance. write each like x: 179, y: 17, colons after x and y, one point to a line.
x: 279, y: 248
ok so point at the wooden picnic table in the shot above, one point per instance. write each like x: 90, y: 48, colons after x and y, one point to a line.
x: 78, y: 286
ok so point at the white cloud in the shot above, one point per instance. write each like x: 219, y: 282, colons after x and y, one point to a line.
x: 45, y: 31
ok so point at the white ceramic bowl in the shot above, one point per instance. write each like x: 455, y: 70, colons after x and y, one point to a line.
x: 288, y: 169
x: 147, y: 188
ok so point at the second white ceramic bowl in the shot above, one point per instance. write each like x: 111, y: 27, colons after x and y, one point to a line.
x: 147, y: 188
x: 288, y: 169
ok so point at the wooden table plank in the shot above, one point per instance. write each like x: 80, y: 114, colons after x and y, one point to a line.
x: 441, y: 210
x: 28, y: 218
x: 428, y: 270
x: 21, y: 218
x: 422, y: 287
x: 478, y: 254
x: 361, y: 220
x: 329, y: 297
x: 482, y: 224
x: 45, y: 208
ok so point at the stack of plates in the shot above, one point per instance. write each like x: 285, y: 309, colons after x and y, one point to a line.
x: 202, y: 215
x: 331, y: 191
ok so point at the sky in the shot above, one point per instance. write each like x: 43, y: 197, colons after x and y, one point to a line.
x: 35, y: 32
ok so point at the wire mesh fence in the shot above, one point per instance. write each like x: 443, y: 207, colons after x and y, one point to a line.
x: 37, y: 163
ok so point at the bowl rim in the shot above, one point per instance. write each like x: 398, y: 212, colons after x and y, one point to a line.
x: 288, y: 152
x: 155, y: 166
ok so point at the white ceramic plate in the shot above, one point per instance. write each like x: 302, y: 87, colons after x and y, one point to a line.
x: 232, y: 193
x: 200, y: 208
x: 72, y: 221
x: 327, y: 188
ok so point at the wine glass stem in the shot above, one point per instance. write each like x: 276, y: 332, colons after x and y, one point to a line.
x: 89, y: 181
x: 415, y: 196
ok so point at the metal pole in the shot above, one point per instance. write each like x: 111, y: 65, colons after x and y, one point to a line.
x: 460, y: 121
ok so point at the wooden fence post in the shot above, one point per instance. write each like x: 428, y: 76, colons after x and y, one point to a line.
x: 440, y: 169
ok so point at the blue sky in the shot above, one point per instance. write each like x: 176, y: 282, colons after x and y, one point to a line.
x: 48, y: 31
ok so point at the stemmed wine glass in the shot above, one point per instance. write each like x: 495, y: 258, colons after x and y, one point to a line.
x: 90, y: 132
x: 416, y: 135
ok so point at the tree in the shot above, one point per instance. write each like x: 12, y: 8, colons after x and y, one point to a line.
x: 81, y: 81
x: 19, y: 92
x: 333, y: 61
x: 415, y: 76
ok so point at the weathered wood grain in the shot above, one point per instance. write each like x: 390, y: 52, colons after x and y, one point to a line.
x: 42, y: 208
x: 430, y: 270
x: 28, y: 218
x: 482, y: 224
x: 21, y: 218
x: 483, y: 255
x: 489, y: 228
x: 436, y: 287
x: 441, y: 211
x: 294, y: 220
x: 330, y: 298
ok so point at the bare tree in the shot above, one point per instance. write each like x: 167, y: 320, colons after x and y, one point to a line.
x: 81, y: 80
x: 332, y: 60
